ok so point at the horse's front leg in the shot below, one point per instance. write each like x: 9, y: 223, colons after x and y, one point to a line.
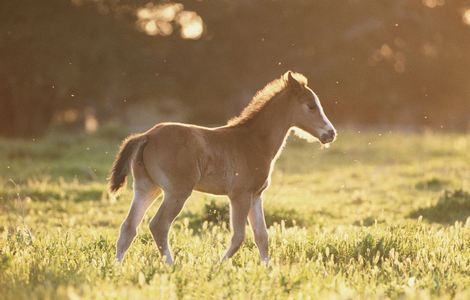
x: 258, y: 225
x: 239, y: 207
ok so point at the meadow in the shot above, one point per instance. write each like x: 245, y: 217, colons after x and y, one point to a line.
x: 377, y: 215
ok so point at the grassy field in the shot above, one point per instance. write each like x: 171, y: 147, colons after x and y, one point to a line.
x: 377, y: 215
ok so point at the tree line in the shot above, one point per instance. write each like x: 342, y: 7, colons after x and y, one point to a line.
x: 373, y: 63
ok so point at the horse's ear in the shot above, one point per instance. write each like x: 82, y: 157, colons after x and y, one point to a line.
x: 291, y: 81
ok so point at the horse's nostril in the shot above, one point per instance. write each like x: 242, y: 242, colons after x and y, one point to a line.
x: 325, y: 137
x: 328, y: 136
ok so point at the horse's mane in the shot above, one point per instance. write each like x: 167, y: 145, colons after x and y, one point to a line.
x: 263, y: 96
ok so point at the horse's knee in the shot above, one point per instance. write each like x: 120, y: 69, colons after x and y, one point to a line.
x: 261, y: 234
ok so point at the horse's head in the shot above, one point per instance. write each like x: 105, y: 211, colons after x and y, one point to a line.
x: 308, y: 113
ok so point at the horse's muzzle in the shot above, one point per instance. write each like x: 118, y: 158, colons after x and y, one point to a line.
x: 328, y: 137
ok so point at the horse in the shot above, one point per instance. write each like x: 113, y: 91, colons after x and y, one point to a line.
x: 235, y: 160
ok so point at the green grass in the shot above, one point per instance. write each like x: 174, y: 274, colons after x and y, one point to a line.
x: 378, y: 215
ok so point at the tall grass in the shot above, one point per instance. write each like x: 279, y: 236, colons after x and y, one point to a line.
x: 378, y: 215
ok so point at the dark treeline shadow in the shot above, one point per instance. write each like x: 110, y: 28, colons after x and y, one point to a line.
x: 372, y: 62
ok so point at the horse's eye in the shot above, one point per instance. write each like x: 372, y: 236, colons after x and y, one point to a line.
x: 311, y: 106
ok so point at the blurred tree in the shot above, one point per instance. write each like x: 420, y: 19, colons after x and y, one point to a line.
x: 372, y: 62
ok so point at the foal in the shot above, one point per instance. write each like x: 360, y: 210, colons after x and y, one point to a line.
x: 234, y: 160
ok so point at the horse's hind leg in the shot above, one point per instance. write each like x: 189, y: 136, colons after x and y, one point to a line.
x: 160, y: 224
x: 145, y: 192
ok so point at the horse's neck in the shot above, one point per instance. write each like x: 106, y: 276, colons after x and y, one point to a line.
x: 271, y: 126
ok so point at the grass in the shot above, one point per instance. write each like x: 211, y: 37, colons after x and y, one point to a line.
x: 378, y: 215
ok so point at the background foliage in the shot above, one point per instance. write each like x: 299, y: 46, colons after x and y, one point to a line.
x: 402, y: 63
x: 383, y: 220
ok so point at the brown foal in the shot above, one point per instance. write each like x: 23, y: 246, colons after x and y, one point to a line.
x: 234, y: 160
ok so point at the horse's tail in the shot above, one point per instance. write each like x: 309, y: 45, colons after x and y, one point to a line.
x: 121, y: 166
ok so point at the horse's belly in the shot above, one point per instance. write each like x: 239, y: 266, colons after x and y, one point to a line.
x: 212, y: 184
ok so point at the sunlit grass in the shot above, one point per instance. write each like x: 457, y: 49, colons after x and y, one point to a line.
x: 377, y: 215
